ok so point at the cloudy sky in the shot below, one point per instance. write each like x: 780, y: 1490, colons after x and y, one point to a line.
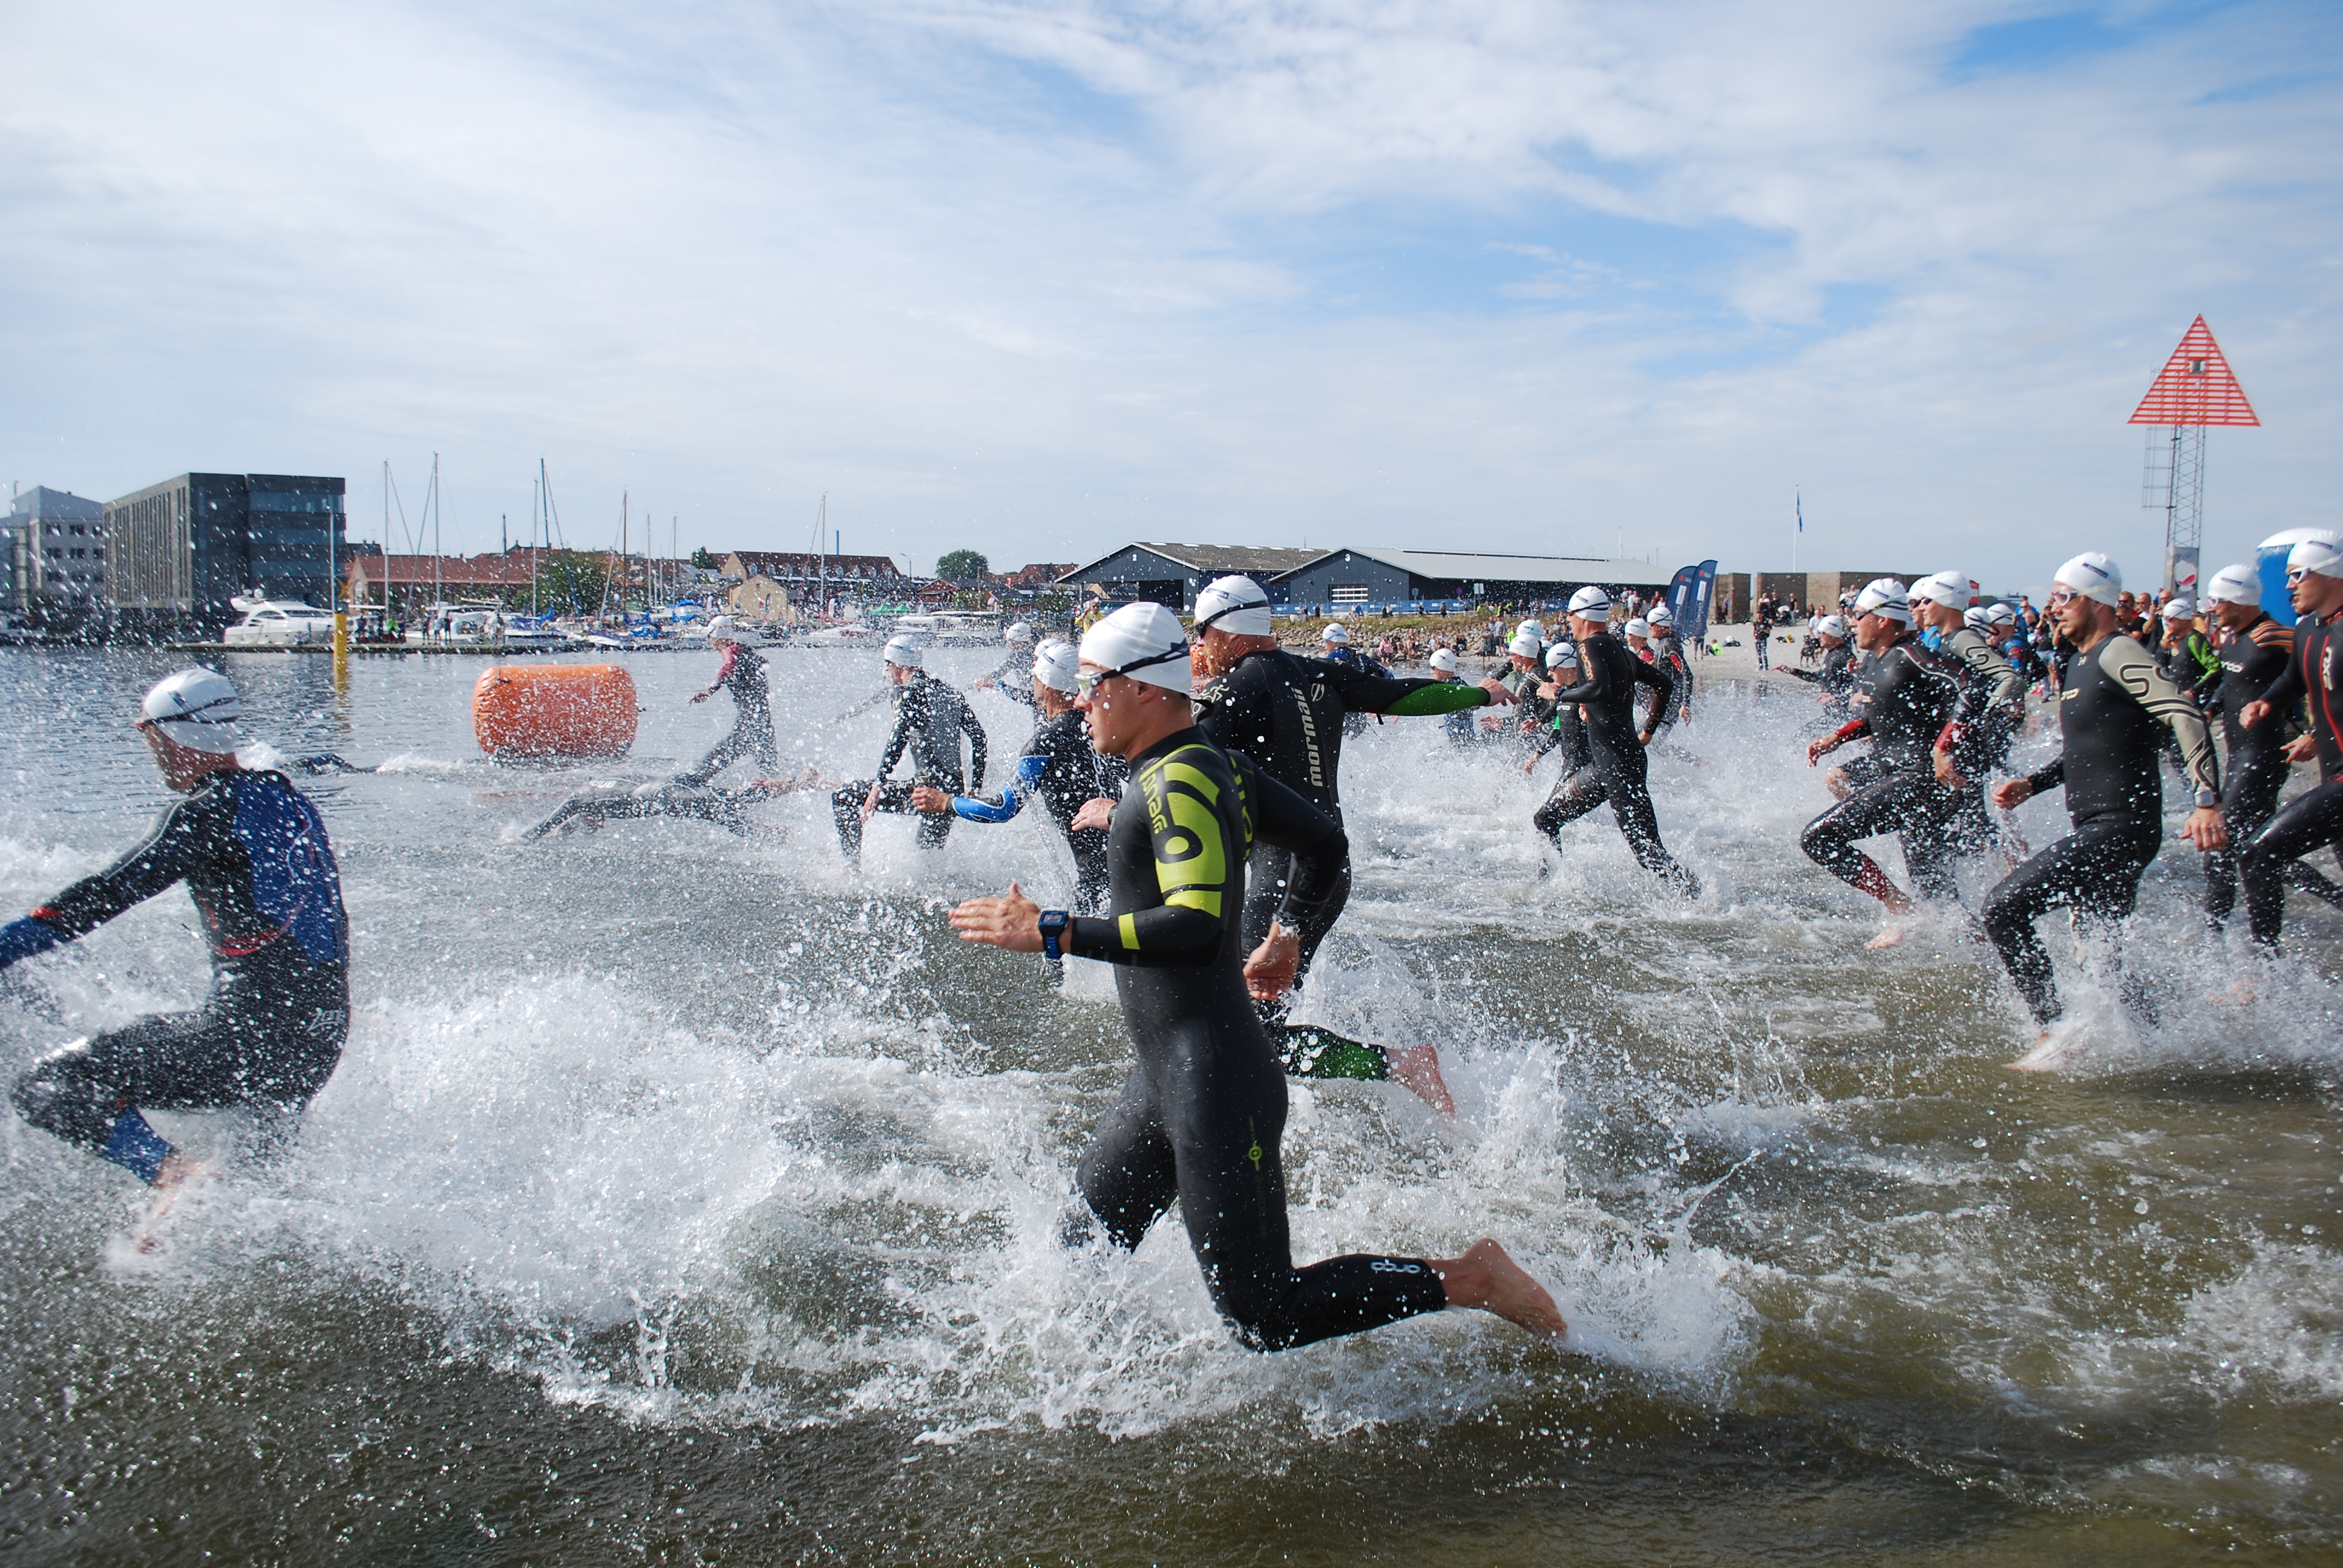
x: 1039, y: 276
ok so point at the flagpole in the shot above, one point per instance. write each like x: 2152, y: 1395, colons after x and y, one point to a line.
x: 1798, y: 502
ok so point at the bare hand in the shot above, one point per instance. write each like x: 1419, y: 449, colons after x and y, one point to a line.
x: 871, y: 801
x: 1644, y: 739
x: 1096, y: 815
x: 1498, y: 695
x: 984, y: 683
x: 1549, y: 690
x: 926, y: 799
x: 2301, y: 749
x: 2206, y: 829
x: 2011, y: 793
x: 1013, y: 922
x: 1269, y: 972
x: 1530, y: 767
x: 699, y: 697
x: 1946, y: 774
x: 2253, y: 713
x: 1818, y: 750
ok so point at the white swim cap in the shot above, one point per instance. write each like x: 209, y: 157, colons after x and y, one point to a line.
x: 195, y: 706
x: 1950, y: 589
x: 1638, y: 627
x: 1661, y: 615
x: 1591, y: 603
x: 901, y: 652
x: 1145, y: 642
x: 1885, y: 596
x: 1832, y: 625
x: 1056, y: 662
x: 1524, y: 646
x: 720, y: 630
x: 1535, y: 628
x: 2182, y: 609
x: 2321, y: 554
x: 1444, y: 659
x: 1561, y: 653
x: 1979, y: 617
x: 1235, y: 604
x: 2094, y: 576
x: 2235, y: 584
x: 1334, y: 632
x: 1020, y: 632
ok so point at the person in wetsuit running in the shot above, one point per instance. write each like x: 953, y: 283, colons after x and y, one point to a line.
x: 1837, y: 675
x: 1464, y: 732
x: 1580, y: 789
x: 1202, y: 1113
x: 2255, y: 652
x: 930, y: 720
x: 1058, y: 767
x: 2112, y: 714
x: 742, y: 674
x: 1605, y: 693
x: 727, y: 808
x: 1286, y: 714
x: 1911, y: 698
x: 2314, y: 572
x: 1014, y: 676
x: 1988, y: 712
x: 1668, y: 649
x: 254, y: 854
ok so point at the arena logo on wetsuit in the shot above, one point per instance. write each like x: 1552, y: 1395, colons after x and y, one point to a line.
x: 294, y: 878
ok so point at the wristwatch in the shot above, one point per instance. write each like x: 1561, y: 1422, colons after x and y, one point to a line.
x: 2206, y: 799
x: 1053, y: 926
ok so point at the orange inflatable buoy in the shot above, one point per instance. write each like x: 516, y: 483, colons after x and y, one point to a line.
x: 554, y: 710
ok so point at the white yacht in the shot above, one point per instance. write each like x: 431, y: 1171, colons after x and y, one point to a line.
x: 483, y: 626
x: 279, y: 623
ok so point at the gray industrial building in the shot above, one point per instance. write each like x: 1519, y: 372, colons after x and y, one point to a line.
x: 53, y: 556
x: 177, y: 552
x: 1340, y: 579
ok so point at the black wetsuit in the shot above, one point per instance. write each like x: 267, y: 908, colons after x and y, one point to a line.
x: 1581, y: 787
x: 1667, y: 652
x: 1013, y: 678
x: 590, y: 807
x: 2113, y: 714
x: 743, y: 675
x: 2313, y: 818
x: 1059, y: 769
x: 1836, y: 678
x: 930, y: 720
x: 254, y: 854
x: 1286, y: 714
x: 1608, y: 676
x: 1531, y: 720
x: 1986, y: 717
x: 1911, y: 699
x: 1201, y: 1117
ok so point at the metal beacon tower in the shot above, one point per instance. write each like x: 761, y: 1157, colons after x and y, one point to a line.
x: 2196, y: 389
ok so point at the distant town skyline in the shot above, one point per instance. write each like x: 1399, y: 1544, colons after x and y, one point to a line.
x: 1040, y: 279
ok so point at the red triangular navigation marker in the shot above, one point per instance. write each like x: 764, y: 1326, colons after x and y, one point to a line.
x: 2195, y: 386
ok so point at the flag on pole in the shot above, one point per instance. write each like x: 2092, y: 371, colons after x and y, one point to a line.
x: 1801, y: 498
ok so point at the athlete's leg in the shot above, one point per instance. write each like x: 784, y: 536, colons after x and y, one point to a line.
x: 1639, y: 824
x: 2249, y: 801
x: 2305, y: 823
x: 737, y: 744
x: 1127, y: 1175
x: 1575, y: 795
x: 1231, y: 1181
x: 894, y: 799
x: 2095, y: 868
x: 1871, y: 812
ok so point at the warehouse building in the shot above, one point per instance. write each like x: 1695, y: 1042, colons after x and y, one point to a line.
x: 177, y: 553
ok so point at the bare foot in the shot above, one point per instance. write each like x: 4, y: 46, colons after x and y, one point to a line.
x: 2049, y: 1051
x: 1486, y: 1277
x: 1897, y: 928
x: 2245, y: 993
x: 177, y: 1174
x: 1418, y: 1067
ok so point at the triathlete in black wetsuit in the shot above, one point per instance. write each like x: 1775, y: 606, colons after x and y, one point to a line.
x: 1014, y: 676
x: 742, y: 674
x: 2255, y: 652
x: 2314, y: 817
x: 1058, y: 767
x: 1911, y: 698
x: 254, y: 854
x: 727, y: 808
x: 1605, y: 692
x: 1668, y: 649
x: 1837, y: 675
x: 930, y: 720
x: 1580, y: 789
x: 1989, y: 712
x: 1286, y: 714
x: 1203, y: 1111
x: 2112, y: 716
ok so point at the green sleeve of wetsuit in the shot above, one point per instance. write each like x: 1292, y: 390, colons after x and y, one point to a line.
x: 1438, y: 697
x: 1313, y: 1052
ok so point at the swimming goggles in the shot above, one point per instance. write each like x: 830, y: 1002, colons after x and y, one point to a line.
x: 1086, y: 684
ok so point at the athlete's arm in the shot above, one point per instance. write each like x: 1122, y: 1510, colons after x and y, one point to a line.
x: 1314, y: 890
x: 910, y: 716
x: 999, y: 807
x: 160, y: 861
x: 2136, y: 672
x: 1199, y: 874
x: 975, y: 733
x: 1368, y: 693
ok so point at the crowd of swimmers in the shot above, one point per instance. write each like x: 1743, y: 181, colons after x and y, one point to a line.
x: 1194, y: 772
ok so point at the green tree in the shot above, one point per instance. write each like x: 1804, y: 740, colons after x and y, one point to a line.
x: 962, y: 565
x: 571, y: 582
x: 704, y: 560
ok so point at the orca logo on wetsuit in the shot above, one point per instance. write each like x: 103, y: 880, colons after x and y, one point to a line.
x: 1387, y: 1266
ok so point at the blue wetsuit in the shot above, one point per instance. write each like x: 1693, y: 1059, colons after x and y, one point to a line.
x: 254, y: 854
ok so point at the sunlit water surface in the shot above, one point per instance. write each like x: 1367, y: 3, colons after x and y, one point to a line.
x: 684, y: 1198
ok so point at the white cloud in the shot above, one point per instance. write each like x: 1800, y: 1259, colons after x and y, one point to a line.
x: 1036, y: 278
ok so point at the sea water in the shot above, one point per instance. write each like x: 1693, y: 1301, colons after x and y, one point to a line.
x: 685, y: 1197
